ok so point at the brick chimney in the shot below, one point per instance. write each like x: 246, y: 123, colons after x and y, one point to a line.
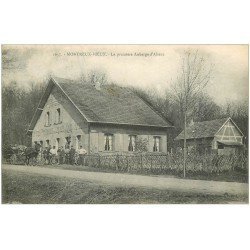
x: 191, y: 123
x: 97, y: 85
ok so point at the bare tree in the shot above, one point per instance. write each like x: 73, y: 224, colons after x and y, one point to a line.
x: 12, y: 60
x: 206, y: 109
x: 194, y: 74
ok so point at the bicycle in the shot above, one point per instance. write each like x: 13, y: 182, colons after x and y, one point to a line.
x: 53, y: 160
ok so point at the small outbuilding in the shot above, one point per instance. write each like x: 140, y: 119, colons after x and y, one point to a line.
x: 221, y: 135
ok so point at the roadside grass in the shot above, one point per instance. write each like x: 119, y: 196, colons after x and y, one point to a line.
x: 229, y: 176
x: 35, y: 189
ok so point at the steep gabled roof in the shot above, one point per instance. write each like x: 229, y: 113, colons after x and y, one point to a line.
x: 203, y: 129
x: 109, y: 104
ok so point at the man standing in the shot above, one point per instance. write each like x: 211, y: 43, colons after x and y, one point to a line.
x: 53, y: 153
x: 61, y: 155
x: 37, y: 146
x: 82, y: 153
x: 58, y: 155
x: 49, y: 154
x: 67, y: 154
x: 72, y: 155
x: 45, y: 155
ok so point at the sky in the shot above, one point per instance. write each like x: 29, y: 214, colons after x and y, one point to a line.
x: 144, y: 66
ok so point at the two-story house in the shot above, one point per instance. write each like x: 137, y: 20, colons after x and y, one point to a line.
x: 100, y: 118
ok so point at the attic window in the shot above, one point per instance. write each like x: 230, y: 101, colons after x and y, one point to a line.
x: 58, y: 115
x: 47, y: 122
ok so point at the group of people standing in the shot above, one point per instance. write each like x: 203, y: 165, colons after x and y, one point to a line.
x: 64, y: 155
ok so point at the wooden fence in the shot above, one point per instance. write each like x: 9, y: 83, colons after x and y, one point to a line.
x: 157, y: 163
x: 168, y: 164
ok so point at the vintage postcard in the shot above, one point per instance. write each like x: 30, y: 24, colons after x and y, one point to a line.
x: 124, y: 124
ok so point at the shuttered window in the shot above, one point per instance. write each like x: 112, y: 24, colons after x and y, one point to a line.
x: 108, y: 142
x: 131, y: 142
x: 156, y: 147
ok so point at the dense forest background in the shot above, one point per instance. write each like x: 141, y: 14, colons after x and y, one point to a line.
x: 19, y: 105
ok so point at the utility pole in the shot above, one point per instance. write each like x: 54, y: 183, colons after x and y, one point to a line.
x: 185, y: 145
x: 192, y: 78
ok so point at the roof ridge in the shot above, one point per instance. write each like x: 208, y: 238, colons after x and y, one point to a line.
x: 126, y: 108
x: 204, y: 129
x: 213, y: 120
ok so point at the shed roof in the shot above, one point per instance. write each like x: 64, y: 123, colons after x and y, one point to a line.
x: 109, y: 104
x: 202, y: 129
x: 230, y: 143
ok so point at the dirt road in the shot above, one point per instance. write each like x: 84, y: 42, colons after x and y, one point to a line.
x: 128, y: 180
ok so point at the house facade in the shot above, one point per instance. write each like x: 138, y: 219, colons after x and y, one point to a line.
x: 221, y: 135
x: 99, y: 118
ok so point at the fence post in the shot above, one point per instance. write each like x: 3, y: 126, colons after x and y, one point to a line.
x: 117, y: 162
x: 141, y: 162
x: 127, y: 162
x: 86, y: 160
x: 99, y: 161
x: 167, y: 161
x: 151, y: 163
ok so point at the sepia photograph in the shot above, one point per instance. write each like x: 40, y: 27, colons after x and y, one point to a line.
x: 125, y: 124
